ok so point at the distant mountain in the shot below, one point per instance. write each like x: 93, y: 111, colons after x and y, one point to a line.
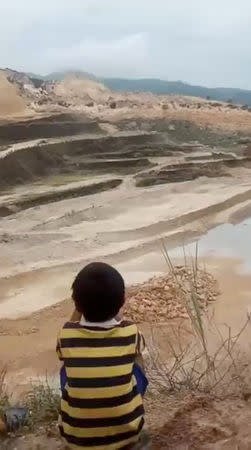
x: 59, y: 76
x: 157, y: 86
x: 178, y: 88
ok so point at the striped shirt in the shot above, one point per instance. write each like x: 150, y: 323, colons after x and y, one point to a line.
x: 100, y: 406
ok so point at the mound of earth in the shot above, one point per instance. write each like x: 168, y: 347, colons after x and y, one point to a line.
x: 11, y: 102
x: 166, y: 297
x: 81, y: 90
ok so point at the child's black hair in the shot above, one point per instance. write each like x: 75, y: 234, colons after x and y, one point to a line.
x: 98, y: 292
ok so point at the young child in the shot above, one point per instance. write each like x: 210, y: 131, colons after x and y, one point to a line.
x: 102, y: 384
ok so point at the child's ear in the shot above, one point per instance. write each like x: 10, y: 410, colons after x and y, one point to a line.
x: 76, y: 316
x: 75, y: 304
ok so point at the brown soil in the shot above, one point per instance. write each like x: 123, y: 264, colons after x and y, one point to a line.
x: 81, y: 91
x: 43, y: 247
x: 190, y: 171
x: 11, y: 102
x: 57, y: 195
x: 175, y: 422
x: 200, y: 422
x: 56, y: 125
x: 175, y: 175
x: 94, y: 100
x: 29, y: 164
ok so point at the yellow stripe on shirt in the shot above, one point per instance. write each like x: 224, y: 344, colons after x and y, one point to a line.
x: 68, y: 333
x: 93, y: 352
x: 98, y: 372
x: 107, y: 392
x: 101, y: 431
x: 95, y: 413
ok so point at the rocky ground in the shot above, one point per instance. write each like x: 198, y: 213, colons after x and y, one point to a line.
x: 164, y: 298
x: 23, y: 97
x: 87, y: 174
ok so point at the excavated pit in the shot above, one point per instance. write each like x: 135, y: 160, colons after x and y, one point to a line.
x: 29, y: 165
x: 190, y: 171
x: 57, y: 195
x: 46, y: 127
x: 84, y: 165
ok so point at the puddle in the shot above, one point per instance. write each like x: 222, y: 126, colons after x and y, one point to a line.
x: 227, y: 241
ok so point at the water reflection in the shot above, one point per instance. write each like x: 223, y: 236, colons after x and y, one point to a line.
x: 233, y: 241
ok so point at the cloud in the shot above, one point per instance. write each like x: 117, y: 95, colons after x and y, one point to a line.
x: 128, y: 55
x: 197, y: 41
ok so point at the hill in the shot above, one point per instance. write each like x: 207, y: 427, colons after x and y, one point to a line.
x: 157, y: 86
x: 11, y: 102
x: 59, y: 76
x: 81, y: 90
x: 162, y: 87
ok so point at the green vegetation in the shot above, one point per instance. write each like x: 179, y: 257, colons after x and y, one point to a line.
x: 43, y: 403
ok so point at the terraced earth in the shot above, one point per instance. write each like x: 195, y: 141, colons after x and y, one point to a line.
x: 67, y: 200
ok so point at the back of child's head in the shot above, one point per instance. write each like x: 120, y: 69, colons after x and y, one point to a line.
x: 98, y: 292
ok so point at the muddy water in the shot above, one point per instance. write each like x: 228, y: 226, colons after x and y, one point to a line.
x: 226, y: 253
x: 228, y: 241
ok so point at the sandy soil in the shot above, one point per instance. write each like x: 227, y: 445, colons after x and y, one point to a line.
x: 46, y: 239
x: 93, y: 100
x: 81, y: 91
x: 39, y: 243
x: 11, y: 102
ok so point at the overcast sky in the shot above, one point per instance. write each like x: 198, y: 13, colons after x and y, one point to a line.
x: 200, y: 41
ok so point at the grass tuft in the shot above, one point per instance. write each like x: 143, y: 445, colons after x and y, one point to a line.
x: 43, y: 403
x: 195, y: 364
x: 4, y: 398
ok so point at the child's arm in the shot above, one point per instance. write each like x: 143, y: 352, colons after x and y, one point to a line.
x: 138, y: 368
x: 58, y: 349
x: 139, y: 351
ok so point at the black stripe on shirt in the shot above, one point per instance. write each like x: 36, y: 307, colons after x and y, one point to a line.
x: 104, y: 421
x: 77, y: 325
x: 102, y: 440
x: 97, y: 342
x: 100, y: 361
x: 99, y: 382
x: 90, y: 403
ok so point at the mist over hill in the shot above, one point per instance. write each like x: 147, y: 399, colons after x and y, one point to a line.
x: 157, y: 86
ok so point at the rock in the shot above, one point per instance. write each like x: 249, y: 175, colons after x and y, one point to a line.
x: 164, y: 297
x: 34, y: 330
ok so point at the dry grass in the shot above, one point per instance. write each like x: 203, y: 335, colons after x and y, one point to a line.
x: 195, y: 364
x: 43, y: 403
x: 4, y: 398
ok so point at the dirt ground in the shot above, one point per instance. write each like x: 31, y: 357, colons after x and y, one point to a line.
x: 152, y: 187
x: 11, y: 103
x: 175, y: 422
